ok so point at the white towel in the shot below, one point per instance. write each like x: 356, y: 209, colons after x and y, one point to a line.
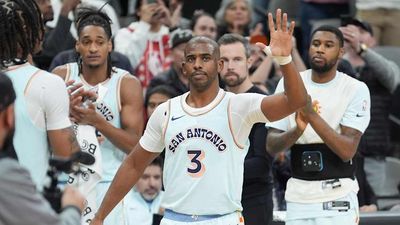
x: 91, y: 175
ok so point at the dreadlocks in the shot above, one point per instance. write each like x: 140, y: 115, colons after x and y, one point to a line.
x: 21, y: 29
x: 89, y: 17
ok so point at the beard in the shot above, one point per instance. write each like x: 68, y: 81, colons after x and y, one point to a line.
x: 327, y: 66
x: 235, y: 82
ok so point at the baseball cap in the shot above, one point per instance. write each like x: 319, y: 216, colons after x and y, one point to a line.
x: 180, y: 36
x: 7, y: 93
x: 362, y: 24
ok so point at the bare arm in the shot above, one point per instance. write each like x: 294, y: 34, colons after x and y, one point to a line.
x: 278, y: 140
x: 343, y: 144
x: 127, y: 175
x: 131, y: 117
x: 279, y: 106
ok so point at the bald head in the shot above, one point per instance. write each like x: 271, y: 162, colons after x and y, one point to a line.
x: 203, y: 40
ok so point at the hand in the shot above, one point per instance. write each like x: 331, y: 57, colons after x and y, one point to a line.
x: 369, y: 208
x: 301, y: 121
x: 351, y: 35
x: 96, y: 221
x: 311, y: 108
x: 85, y: 115
x: 72, y: 196
x: 77, y: 93
x: 68, y: 6
x: 258, y: 30
x: 281, y: 37
x: 147, y: 11
x: 167, y: 19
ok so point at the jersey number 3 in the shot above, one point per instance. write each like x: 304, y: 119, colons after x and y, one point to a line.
x: 196, y: 168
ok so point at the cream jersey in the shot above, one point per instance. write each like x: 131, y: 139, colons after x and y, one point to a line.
x: 343, y: 101
x: 205, y: 149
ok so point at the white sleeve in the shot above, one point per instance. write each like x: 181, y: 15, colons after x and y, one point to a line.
x: 132, y: 43
x: 153, y: 139
x: 357, y: 114
x: 55, y: 101
x: 281, y: 124
x: 245, y: 112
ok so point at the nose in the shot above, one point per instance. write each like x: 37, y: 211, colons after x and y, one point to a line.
x: 93, y: 47
x: 152, y: 182
x: 198, y: 64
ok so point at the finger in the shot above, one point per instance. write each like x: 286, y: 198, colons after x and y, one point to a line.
x: 178, y: 8
x: 291, y: 28
x: 80, y: 110
x: 161, y: 2
x: 69, y: 83
x: 278, y: 19
x: 260, y: 45
x: 76, y: 101
x: 284, y: 22
x: 73, y: 88
x: 271, y: 25
x: 144, y: 2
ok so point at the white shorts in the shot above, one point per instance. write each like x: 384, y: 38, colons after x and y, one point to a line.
x: 235, y: 218
x: 314, y: 214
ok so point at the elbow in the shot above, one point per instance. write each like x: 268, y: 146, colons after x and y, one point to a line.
x: 299, y: 102
x: 347, y: 155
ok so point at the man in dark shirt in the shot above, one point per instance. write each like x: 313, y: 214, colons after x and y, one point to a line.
x: 257, y: 183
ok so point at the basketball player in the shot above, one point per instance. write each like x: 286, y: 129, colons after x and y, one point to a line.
x: 118, y: 117
x: 204, y: 133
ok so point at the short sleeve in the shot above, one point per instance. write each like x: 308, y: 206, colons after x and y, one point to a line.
x: 283, y: 123
x: 357, y: 115
x: 152, y: 139
x: 55, y: 103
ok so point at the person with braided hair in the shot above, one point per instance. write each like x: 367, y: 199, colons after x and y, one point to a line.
x: 118, y: 112
x: 42, y: 105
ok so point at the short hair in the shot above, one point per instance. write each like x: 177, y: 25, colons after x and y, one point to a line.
x: 7, y: 93
x: 231, y: 38
x: 331, y: 29
x: 196, y: 18
x: 158, y: 161
x: 21, y: 29
x: 91, y: 17
x: 88, y: 16
x: 161, y: 89
x: 204, y: 40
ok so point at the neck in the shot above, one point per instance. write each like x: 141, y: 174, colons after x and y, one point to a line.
x: 94, y: 76
x: 155, y: 27
x: 323, y: 77
x: 241, y: 88
x: 199, y: 99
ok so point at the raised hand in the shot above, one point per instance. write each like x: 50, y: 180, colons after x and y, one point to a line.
x: 280, y: 35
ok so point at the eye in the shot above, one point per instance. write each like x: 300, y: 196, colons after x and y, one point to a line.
x: 206, y: 58
x: 190, y: 59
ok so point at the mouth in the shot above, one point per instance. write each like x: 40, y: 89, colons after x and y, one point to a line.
x: 318, y: 59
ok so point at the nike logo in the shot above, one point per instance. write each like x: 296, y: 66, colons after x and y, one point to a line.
x: 175, y: 118
x: 359, y: 115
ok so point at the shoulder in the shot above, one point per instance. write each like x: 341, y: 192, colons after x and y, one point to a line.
x: 10, y: 170
x: 351, y: 82
x: 61, y: 71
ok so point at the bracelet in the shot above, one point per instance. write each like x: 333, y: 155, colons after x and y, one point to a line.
x: 72, y: 207
x: 281, y: 60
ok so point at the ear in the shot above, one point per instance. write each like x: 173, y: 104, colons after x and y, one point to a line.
x: 220, y: 65
x: 342, y: 51
x: 9, y: 117
x: 110, y: 46
x: 249, y: 62
x: 77, y: 46
x: 184, y: 72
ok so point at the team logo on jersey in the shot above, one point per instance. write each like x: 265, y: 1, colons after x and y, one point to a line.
x: 202, y: 133
x: 105, y: 111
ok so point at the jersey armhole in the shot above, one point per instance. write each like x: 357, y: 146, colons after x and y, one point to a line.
x: 167, y: 117
x: 231, y: 126
x: 119, y: 104
x: 68, y: 74
x: 30, y: 80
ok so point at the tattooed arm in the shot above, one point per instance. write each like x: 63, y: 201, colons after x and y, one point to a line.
x: 63, y: 141
x: 278, y: 140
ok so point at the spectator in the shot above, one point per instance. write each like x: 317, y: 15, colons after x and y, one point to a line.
x: 157, y: 95
x: 174, y: 76
x: 146, y: 196
x: 382, y: 77
x: 203, y: 24
x: 234, y: 16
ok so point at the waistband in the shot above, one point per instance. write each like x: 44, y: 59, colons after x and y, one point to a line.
x: 180, y: 217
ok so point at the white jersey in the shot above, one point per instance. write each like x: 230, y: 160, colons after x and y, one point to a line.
x: 342, y: 101
x: 204, y: 151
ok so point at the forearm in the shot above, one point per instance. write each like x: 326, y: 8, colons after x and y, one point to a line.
x: 343, y: 146
x: 387, y: 72
x: 262, y: 72
x: 294, y: 88
x: 119, y: 186
x: 280, y: 141
x: 120, y: 138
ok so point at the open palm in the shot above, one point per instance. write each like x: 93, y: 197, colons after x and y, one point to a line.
x: 281, y: 36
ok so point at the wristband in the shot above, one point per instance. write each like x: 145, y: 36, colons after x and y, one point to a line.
x: 281, y: 60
